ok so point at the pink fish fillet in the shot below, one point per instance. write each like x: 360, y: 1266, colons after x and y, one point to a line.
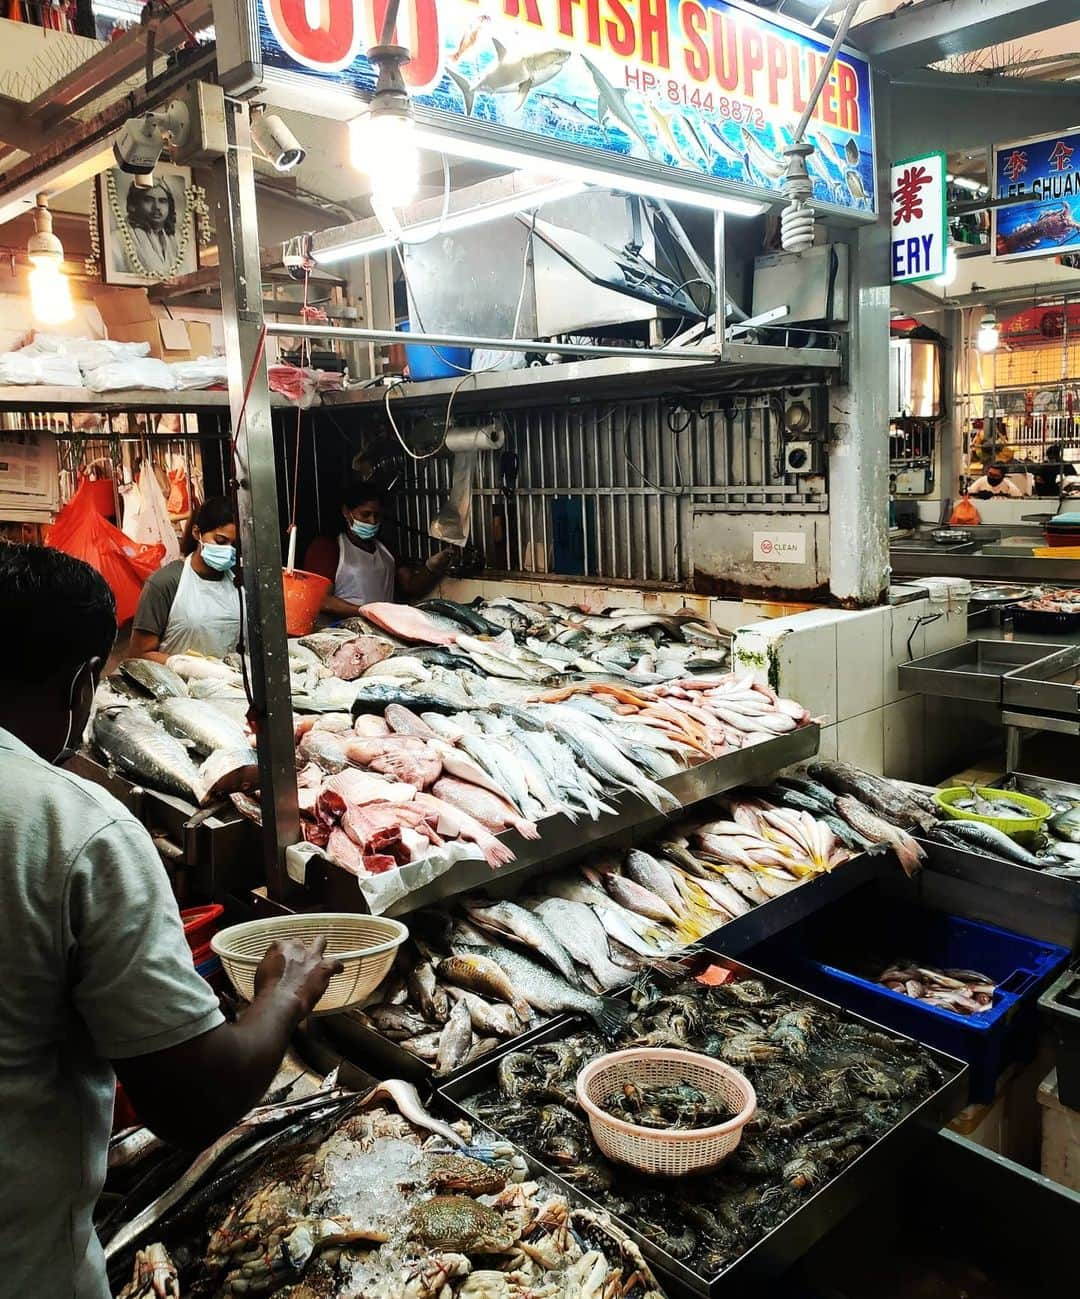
x: 421, y: 770
x: 371, y: 724
x: 365, y: 787
x: 407, y: 623
x: 341, y: 849
x: 364, y: 749
x: 453, y: 823
x: 488, y: 808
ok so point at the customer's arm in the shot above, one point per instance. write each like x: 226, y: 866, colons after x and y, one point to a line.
x: 188, y: 1073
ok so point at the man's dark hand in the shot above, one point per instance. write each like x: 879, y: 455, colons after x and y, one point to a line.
x: 297, y: 969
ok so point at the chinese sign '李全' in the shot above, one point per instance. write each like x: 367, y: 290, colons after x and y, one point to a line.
x: 919, y: 233
x: 1046, y: 171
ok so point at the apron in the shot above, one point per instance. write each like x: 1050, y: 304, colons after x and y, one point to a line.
x: 363, y: 576
x: 205, y: 616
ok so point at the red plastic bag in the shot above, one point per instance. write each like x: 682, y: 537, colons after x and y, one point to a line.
x: 965, y: 514
x: 81, y: 530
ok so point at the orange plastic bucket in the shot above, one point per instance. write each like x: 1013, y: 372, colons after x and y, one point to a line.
x: 304, y: 594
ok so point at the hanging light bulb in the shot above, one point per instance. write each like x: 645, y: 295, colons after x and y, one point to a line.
x: 50, y: 293
x: 952, y: 267
x: 988, y: 336
x: 382, y: 142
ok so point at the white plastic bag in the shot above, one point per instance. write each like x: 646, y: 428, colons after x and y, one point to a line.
x: 203, y: 373
x: 22, y: 370
x: 146, y: 518
x: 114, y: 376
x: 86, y: 352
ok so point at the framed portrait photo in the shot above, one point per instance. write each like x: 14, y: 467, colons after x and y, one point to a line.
x: 149, y: 232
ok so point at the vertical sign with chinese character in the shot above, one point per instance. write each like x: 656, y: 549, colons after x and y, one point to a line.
x: 919, y: 228
x: 1045, y: 170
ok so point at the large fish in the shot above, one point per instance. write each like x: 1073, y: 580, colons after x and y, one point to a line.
x: 406, y: 623
x: 550, y: 994
x: 911, y: 856
x: 584, y: 937
x: 509, y: 921
x: 227, y: 771
x: 882, y: 796
x: 153, y: 677
x: 480, y: 974
x: 510, y: 74
x: 493, y: 812
x: 201, y: 723
x: 194, y: 667
x: 145, y: 752
x: 611, y: 103
x: 977, y: 836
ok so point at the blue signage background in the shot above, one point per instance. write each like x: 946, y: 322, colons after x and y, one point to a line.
x: 1047, y: 168
x: 496, y: 71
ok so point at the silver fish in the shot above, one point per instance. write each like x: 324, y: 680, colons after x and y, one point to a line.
x: 153, y: 677
x: 762, y: 159
x: 426, y: 993
x: 634, y: 897
x: 584, y: 938
x: 549, y: 994
x: 193, y: 667
x: 646, y: 871
x: 407, y: 1099
x: 693, y: 134
x: 509, y: 74
x: 570, y: 112
x: 508, y: 920
x: 145, y: 752
x: 226, y: 771
x: 456, y: 1039
x: 611, y: 102
x: 200, y: 722
x: 488, y: 1020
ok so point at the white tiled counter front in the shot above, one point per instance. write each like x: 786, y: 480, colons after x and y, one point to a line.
x: 843, y: 667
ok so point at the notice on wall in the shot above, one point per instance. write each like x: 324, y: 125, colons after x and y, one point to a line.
x: 779, y: 548
x: 920, y: 232
x: 1047, y: 170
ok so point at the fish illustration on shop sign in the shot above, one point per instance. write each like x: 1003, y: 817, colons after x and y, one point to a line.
x: 851, y: 153
x: 564, y: 110
x: 520, y: 73
x: 855, y: 186
x: 611, y: 102
x: 694, y: 135
x: 762, y: 159
x: 664, y: 134
x: 469, y: 38
x: 826, y: 148
x: 726, y: 148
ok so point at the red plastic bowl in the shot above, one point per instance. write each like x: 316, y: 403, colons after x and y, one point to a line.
x: 201, y: 924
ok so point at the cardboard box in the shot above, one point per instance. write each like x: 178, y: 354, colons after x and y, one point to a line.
x: 130, y: 317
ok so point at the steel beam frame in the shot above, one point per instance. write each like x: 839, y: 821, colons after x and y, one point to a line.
x: 233, y: 181
x: 915, y: 36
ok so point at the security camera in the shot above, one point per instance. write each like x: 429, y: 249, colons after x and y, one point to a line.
x: 138, y: 146
x: 275, y: 142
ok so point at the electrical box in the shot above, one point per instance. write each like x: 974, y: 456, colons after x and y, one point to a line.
x: 812, y: 285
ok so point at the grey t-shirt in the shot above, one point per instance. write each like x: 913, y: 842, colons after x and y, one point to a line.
x: 156, y: 600
x: 93, y: 968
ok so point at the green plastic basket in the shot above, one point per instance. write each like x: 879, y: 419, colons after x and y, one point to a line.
x: 1009, y: 825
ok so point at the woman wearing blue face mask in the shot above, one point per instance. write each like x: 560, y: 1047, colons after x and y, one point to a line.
x: 192, y: 605
x: 361, y: 568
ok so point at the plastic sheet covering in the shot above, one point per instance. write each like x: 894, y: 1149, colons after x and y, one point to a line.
x: 140, y: 372
x: 81, y: 530
x: 146, y: 515
x: 381, y: 892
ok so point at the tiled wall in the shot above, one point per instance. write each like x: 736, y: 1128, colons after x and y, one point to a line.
x: 843, y: 667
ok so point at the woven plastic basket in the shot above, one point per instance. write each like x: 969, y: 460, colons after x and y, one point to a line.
x: 670, y: 1153
x: 366, y: 945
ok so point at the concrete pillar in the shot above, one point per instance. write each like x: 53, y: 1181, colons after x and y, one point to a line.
x: 859, y: 415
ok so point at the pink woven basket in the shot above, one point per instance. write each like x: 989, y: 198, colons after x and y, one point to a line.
x: 671, y: 1152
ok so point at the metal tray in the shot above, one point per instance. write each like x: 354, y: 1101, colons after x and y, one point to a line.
x: 974, y: 670
x: 1050, y: 685
x: 387, y: 1059
x: 820, y: 1212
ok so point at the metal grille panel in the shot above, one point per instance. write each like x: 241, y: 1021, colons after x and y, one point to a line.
x: 609, y: 491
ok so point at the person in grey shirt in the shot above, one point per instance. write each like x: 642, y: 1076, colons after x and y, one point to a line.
x: 96, y: 981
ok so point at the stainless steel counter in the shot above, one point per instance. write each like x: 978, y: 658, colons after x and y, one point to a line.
x: 952, y: 561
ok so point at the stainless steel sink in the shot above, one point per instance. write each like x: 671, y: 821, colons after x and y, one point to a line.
x: 920, y: 545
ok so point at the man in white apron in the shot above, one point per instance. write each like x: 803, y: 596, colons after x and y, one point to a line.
x: 361, y: 568
x: 192, y: 606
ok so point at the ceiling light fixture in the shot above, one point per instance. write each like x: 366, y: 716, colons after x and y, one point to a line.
x: 478, y: 214
x: 989, y: 336
x: 382, y: 141
x: 591, y: 173
x: 50, y: 292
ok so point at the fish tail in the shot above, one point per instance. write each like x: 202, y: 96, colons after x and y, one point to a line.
x: 610, y: 1016
x: 467, y: 92
x: 497, y: 854
x: 909, y: 853
x: 527, y: 829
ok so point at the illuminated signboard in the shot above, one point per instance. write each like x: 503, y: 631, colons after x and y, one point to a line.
x: 704, y: 93
x: 1047, y: 169
x: 920, y: 233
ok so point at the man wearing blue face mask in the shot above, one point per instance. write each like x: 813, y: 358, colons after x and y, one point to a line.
x: 192, y: 605
x: 361, y: 568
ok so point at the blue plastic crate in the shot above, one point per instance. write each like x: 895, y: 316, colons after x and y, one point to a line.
x: 825, y: 951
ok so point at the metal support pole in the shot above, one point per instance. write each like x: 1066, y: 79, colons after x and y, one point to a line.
x: 236, y: 222
x: 719, y: 232
x: 859, y: 415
